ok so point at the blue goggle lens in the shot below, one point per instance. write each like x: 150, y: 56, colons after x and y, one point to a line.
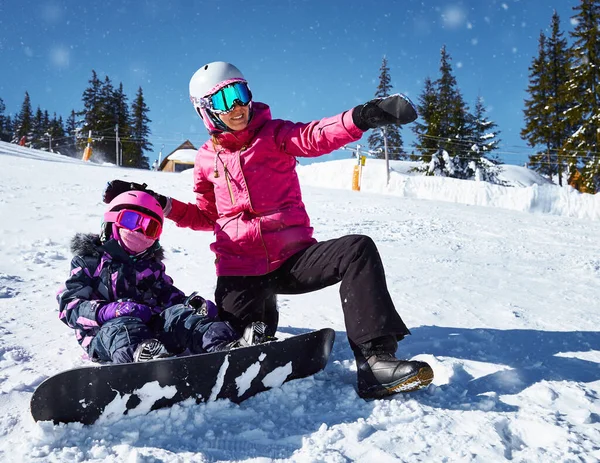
x: 226, y: 98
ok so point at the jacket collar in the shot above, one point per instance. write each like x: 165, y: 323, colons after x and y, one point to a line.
x: 233, y: 141
x: 117, y: 253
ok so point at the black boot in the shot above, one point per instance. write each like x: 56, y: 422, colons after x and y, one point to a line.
x: 380, y: 373
x: 255, y: 333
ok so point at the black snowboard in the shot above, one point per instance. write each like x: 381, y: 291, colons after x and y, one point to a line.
x: 83, y: 394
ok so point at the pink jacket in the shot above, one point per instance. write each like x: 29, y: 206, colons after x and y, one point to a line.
x: 248, y: 192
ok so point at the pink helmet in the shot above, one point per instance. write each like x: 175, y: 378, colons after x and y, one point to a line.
x: 137, y: 201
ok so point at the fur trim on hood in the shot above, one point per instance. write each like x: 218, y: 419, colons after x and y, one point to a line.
x: 89, y: 244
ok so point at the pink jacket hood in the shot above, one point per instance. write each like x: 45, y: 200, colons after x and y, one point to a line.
x: 247, y: 189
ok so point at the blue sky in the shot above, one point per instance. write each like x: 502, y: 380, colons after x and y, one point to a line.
x: 306, y: 59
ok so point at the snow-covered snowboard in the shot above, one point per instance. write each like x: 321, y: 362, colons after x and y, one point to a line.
x: 84, y: 394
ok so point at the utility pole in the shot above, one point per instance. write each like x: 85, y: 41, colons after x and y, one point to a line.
x: 160, y: 154
x: 118, y: 158
x: 387, y: 160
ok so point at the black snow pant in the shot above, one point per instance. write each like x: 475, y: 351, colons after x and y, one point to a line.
x: 177, y: 327
x: 353, y: 260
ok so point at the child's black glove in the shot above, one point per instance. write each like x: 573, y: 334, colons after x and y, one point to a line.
x: 395, y: 109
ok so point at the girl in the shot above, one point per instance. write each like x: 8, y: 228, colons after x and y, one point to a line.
x: 121, y: 303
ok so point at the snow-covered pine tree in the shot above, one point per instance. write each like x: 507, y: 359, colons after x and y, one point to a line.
x: 484, y: 133
x: 454, y: 112
x: 443, y: 133
x: 584, y: 93
x: 452, y: 142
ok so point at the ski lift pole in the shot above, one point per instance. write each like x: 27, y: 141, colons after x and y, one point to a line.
x: 361, y: 161
x: 87, y: 152
x: 387, y: 159
x: 117, y: 158
x: 357, y: 172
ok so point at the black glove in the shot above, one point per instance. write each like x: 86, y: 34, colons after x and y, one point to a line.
x: 395, y: 109
x: 200, y: 305
x: 115, y: 187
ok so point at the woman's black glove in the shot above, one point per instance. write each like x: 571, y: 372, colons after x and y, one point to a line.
x: 395, y: 109
x: 201, y: 306
x: 115, y: 187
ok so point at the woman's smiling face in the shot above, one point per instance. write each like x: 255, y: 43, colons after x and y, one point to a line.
x: 237, y: 119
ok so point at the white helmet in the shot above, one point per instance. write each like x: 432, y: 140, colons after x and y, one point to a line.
x: 206, y: 81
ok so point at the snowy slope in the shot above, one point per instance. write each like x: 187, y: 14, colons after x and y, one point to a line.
x: 500, y: 287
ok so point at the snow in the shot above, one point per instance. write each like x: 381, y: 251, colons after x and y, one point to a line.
x: 148, y: 394
x: 183, y: 155
x: 499, y: 286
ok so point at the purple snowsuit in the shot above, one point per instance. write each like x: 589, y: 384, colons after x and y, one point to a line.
x: 105, y: 273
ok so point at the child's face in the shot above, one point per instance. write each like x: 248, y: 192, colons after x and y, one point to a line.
x: 135, y: 242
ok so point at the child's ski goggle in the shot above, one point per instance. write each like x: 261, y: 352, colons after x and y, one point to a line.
x: 225, y: 99
x: 135, y: 220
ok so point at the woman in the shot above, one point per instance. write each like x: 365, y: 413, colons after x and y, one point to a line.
x: 248, y: 193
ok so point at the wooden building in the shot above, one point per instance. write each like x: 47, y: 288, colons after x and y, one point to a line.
x: 180, y: 159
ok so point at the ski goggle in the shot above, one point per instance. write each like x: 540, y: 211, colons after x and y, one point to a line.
x: 225, y: 99
x: 135, y: 220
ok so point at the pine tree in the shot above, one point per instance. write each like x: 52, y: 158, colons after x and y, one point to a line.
x: 584, y: 92
x: 454, y: 116
x: 451, y: 141
x: 428, y: 132
x: 482, y: 130
x: 92, y: 111
x: 24, y: 121
x: 140, y: 131
x: 91, y: 102
x: 9, y: 129
x: 106, y: 122
x: 56, y: 132
x: 538, y: 119
x: 558, y: 68
x: 5, y: 124
x: 482, y: 164
x: 72, y: 134
x: 123, y: 119
x: 392, y: 132
x: 39, y: 125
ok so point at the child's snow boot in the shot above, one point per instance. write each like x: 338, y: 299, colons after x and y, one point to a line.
x: 150, y: 349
